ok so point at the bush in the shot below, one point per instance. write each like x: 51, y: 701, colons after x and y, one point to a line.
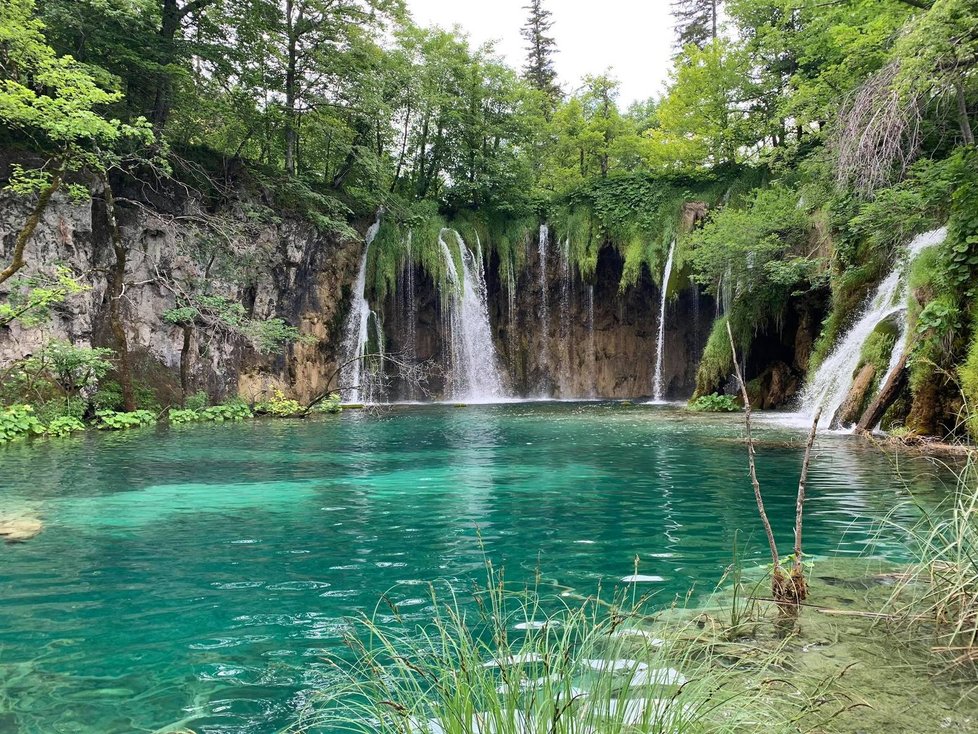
x: 63, y: 426
x: 714, y: 403
x: 198, y: 401
x: 18, y: 421
x: 108, y: 397
x: 183, y: 416
x: 51, y: 410
x: 116, y: 421
x: 330, y: 405
x: 280, y: 406
x: 230, y: 411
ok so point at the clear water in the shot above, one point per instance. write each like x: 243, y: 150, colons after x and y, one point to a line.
x: 203, y: 574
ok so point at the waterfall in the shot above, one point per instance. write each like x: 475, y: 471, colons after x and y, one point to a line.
x: 543, y: 245
x: 473, y: 372
x: 592, y: 355
x: 565, y: 350
x: 356, y: 377
x: 411, y: 316
x: 657, y: 387
x: 830, y: 385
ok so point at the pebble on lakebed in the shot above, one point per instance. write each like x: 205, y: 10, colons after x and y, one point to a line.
x: 19, y: 529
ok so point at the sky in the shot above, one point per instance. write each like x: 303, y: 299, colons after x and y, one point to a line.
x: 632, y: 37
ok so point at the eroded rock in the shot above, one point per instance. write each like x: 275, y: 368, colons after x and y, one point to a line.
x: 19, y: 529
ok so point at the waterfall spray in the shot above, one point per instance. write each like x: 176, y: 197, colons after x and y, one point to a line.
x: 828, y: 388
x: 657, y: 386
x: 473, y: 371
x: 355, y: 375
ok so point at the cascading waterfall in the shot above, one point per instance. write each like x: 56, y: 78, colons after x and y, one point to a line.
x: 356, y: 378
x: 592, y: 355
x: 473, y: 374
x: 830, y: 385
x: 564, y: 340
x: 411, y: 315
x: 543, y: 245
x: 657, y: 386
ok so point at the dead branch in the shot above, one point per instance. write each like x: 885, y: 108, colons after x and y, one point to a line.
x: 750, y: 460
x: 878, y: 134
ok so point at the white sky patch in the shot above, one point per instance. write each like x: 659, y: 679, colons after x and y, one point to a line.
x: 634, y: 38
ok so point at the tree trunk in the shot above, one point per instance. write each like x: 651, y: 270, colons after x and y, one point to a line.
x: 967, y: 134
x: 117, y: 279
x: 291, y: 83
x: 33, y: 219
x: 888, y: 394
x: 188, y: 331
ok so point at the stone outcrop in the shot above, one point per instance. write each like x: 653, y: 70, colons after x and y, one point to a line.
x: 293, y: 272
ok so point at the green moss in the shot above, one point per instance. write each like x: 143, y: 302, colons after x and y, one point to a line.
x: 717, y: 362
x: 877, y: 350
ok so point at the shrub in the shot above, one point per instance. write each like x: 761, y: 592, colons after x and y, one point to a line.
x: 280, y: 406
x: 63, y: 426
x: 18, y: 421
x: 198, y: 401
x: 117, y: 421
x: 184, y: 416
x: 230, y: 411
x: 51, y: 410
x: 108, y: 397
x: 714, y: 403
x: 74, y: 369
x: 330, y: 405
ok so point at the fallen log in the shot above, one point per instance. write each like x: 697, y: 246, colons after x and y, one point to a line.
x: 886, y: 397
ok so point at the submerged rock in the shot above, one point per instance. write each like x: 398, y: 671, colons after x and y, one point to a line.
x: 19, y: 529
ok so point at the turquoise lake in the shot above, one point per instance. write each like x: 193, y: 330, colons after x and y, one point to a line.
x: 202, y: 574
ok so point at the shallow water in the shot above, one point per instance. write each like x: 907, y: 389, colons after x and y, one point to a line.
x: 203, y: 573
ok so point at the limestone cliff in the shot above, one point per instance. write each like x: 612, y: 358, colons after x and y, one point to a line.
x: 291, y: 271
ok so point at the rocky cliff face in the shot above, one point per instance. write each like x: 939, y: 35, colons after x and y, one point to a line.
x: 294, y: 273
x: 558, y: 336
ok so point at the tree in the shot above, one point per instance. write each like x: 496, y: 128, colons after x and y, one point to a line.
x: 699, y: 121
x: 539, y: 69
x: 53, y: 101
x: 697, y: 22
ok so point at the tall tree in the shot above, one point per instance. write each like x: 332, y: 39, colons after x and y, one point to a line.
x: 696, y: 21
x: 541, y: 47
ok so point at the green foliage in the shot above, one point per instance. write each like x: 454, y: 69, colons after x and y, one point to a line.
x: 108, y: 397
x: 331, y: 405
x: 31, y: 298
x: 877, y: 350
x: 229, y: 411
x: 18, y: 421
x: 120, y: 421
x: 178, y: 417
x: 198, y: 401
x: 219, y: 313
x: 714, y: 403
x: 716, y: 364
x: 279, y: 406
x: 74, y: 369
x: 64, y: 426
x: 968, y: 376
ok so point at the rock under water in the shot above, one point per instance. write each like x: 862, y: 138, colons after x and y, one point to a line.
x: 19, y: 529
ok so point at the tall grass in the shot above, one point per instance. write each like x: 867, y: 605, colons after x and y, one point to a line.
x: 498, y: 661
x: 939, y: 593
